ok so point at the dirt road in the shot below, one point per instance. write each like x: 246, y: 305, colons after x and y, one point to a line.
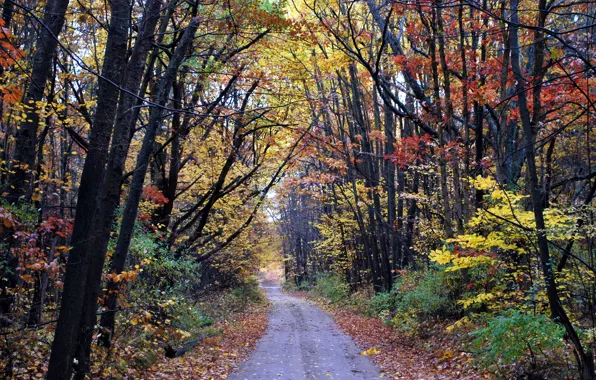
x: 302, y: 342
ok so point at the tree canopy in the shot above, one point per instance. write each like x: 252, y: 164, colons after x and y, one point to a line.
x: 152, y: 150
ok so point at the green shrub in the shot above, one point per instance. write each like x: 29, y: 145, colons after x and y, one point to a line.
x: 23, y: 212
x: 300, y: 286
x: 332, y: 287
x: 163, y: 271
x: 383, y: 304
x: 432, y: 296
x: 419, y: 296
x: 512, y: 336
x: 407, y: 323
x: 189, y: 317
x: 304, y: 286
x: 249, y: 291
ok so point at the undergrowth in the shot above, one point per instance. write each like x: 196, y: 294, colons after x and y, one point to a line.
x: 423, y: 305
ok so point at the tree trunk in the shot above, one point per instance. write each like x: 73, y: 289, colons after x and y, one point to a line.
x: 110, y: 195
x: 75, y: 280
x: 39, y: 296
x: 21, y: 180
x: 443, y: 128
x: 136, y: 187
x: 389, y: 174
x: 558, y: 313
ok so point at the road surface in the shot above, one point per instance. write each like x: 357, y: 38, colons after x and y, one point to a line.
x: 303, y: 342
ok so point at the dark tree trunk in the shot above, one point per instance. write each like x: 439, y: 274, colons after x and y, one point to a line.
x: 20, y: 183
x: 136, y: 187
x: 39, y: 296
x: 7, y: 12
x: 377, y: 257
x: 558, y: 313
x: 393, y: 225
x: 75, y: 281
x: 110, y: 194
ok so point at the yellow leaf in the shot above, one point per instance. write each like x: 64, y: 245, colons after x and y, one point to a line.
x: 371, y: 351
x: 36, y: 196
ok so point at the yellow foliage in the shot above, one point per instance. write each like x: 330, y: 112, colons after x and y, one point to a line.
x: 444, y: 256
x: 459, y: 324
x: 371, y: 351
x: 441, y: 256
x: 477, y: 300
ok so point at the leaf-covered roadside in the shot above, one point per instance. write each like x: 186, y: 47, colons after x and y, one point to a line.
x: 216, y: 357
x: 430, y: 355
x: 218, y: 332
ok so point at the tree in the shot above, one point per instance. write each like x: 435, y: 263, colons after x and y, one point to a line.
x: 20, y: 184
x: 79, y: 259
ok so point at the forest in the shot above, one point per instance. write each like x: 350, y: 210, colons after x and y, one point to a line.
x: 420, y: 170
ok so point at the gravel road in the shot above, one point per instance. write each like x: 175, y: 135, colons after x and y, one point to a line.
x: 303, y: 342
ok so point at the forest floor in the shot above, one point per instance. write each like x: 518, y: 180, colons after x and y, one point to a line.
x: 429, y: 356
x: 214, y: 358
x: 298, y: 336
x: 302, y: 342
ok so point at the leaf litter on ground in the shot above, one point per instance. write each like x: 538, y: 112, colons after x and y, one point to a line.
x: 214, y: 358
x: 436, y: 356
